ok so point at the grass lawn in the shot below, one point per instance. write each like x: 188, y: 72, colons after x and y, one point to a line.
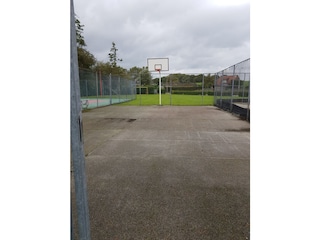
x: 176, y: 100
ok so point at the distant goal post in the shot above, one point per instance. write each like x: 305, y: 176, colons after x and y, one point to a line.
x: 158, y: 64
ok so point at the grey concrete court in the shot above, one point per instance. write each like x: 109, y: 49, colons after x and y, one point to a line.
x: 167, y: 172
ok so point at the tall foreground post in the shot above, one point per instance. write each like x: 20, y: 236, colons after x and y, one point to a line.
x: 77, y: 153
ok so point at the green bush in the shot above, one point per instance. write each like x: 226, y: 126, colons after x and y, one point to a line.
x: 186, y: 88
x: 151, y: 90
x: 192, y: 92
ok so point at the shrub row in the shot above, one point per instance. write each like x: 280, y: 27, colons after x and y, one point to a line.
x: 191, y: 92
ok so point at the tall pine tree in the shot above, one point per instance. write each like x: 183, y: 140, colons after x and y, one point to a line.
x: 113, y: 56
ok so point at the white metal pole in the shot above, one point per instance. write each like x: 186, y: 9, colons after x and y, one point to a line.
x: 202, y: 87
x: 159, y: 87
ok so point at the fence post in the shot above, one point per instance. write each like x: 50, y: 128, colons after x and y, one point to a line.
x: 232, y: 88
x: 86, y: 87
x: 243, y: 84
x: 140, y: 86
x: 221, y: 89
x: 202, y: 86
x: 248, y: 106
x: 110, y: 89
x: 97, y: 89
x: 214, y: 89
x: 100, y: 83
x: 126, y: 88
x: 77, y: 153
x: 239, y: 85
x: 170, y: 90
x: 119, y: 81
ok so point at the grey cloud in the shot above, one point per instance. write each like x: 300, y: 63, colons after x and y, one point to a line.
x: 195, y: 36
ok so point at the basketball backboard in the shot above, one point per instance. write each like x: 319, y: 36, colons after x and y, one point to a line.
x: 158, y: 64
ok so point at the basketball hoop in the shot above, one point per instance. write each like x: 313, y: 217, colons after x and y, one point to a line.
x: 158, y: 64
x: 158, y: 67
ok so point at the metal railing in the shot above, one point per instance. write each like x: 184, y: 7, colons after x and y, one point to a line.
x: 179, y: 89
x: 232, y: 89
x: 99, y: 89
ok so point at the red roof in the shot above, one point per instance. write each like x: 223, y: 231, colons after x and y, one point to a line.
x: 227, y: 78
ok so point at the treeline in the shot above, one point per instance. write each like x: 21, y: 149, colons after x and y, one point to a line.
x: 189, y: 80
x: 140, y: 75
x: 87, y: 60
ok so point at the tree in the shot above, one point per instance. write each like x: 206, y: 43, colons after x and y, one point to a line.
x: 141, y: 74
x: 104, y: 68
x: 85, y: 58
x: 209, y: 81
x: 79, y: 30
x: 134, y: 73
x: 113, y: 56
x: 145, y: 76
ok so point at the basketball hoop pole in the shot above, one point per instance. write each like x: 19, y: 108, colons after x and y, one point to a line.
x: 159, y: 87
x: 158, y: 65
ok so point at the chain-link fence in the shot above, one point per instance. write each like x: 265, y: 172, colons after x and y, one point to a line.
x: 232, y: 89
x: 178, y: 89
x: 189, y: 84
x: 99, y: 89
x: 228, y: 89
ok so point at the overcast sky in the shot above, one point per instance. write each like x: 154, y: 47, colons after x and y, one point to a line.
x: 198, y: 36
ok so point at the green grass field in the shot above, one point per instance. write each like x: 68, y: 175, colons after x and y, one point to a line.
x: 176, y: 100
